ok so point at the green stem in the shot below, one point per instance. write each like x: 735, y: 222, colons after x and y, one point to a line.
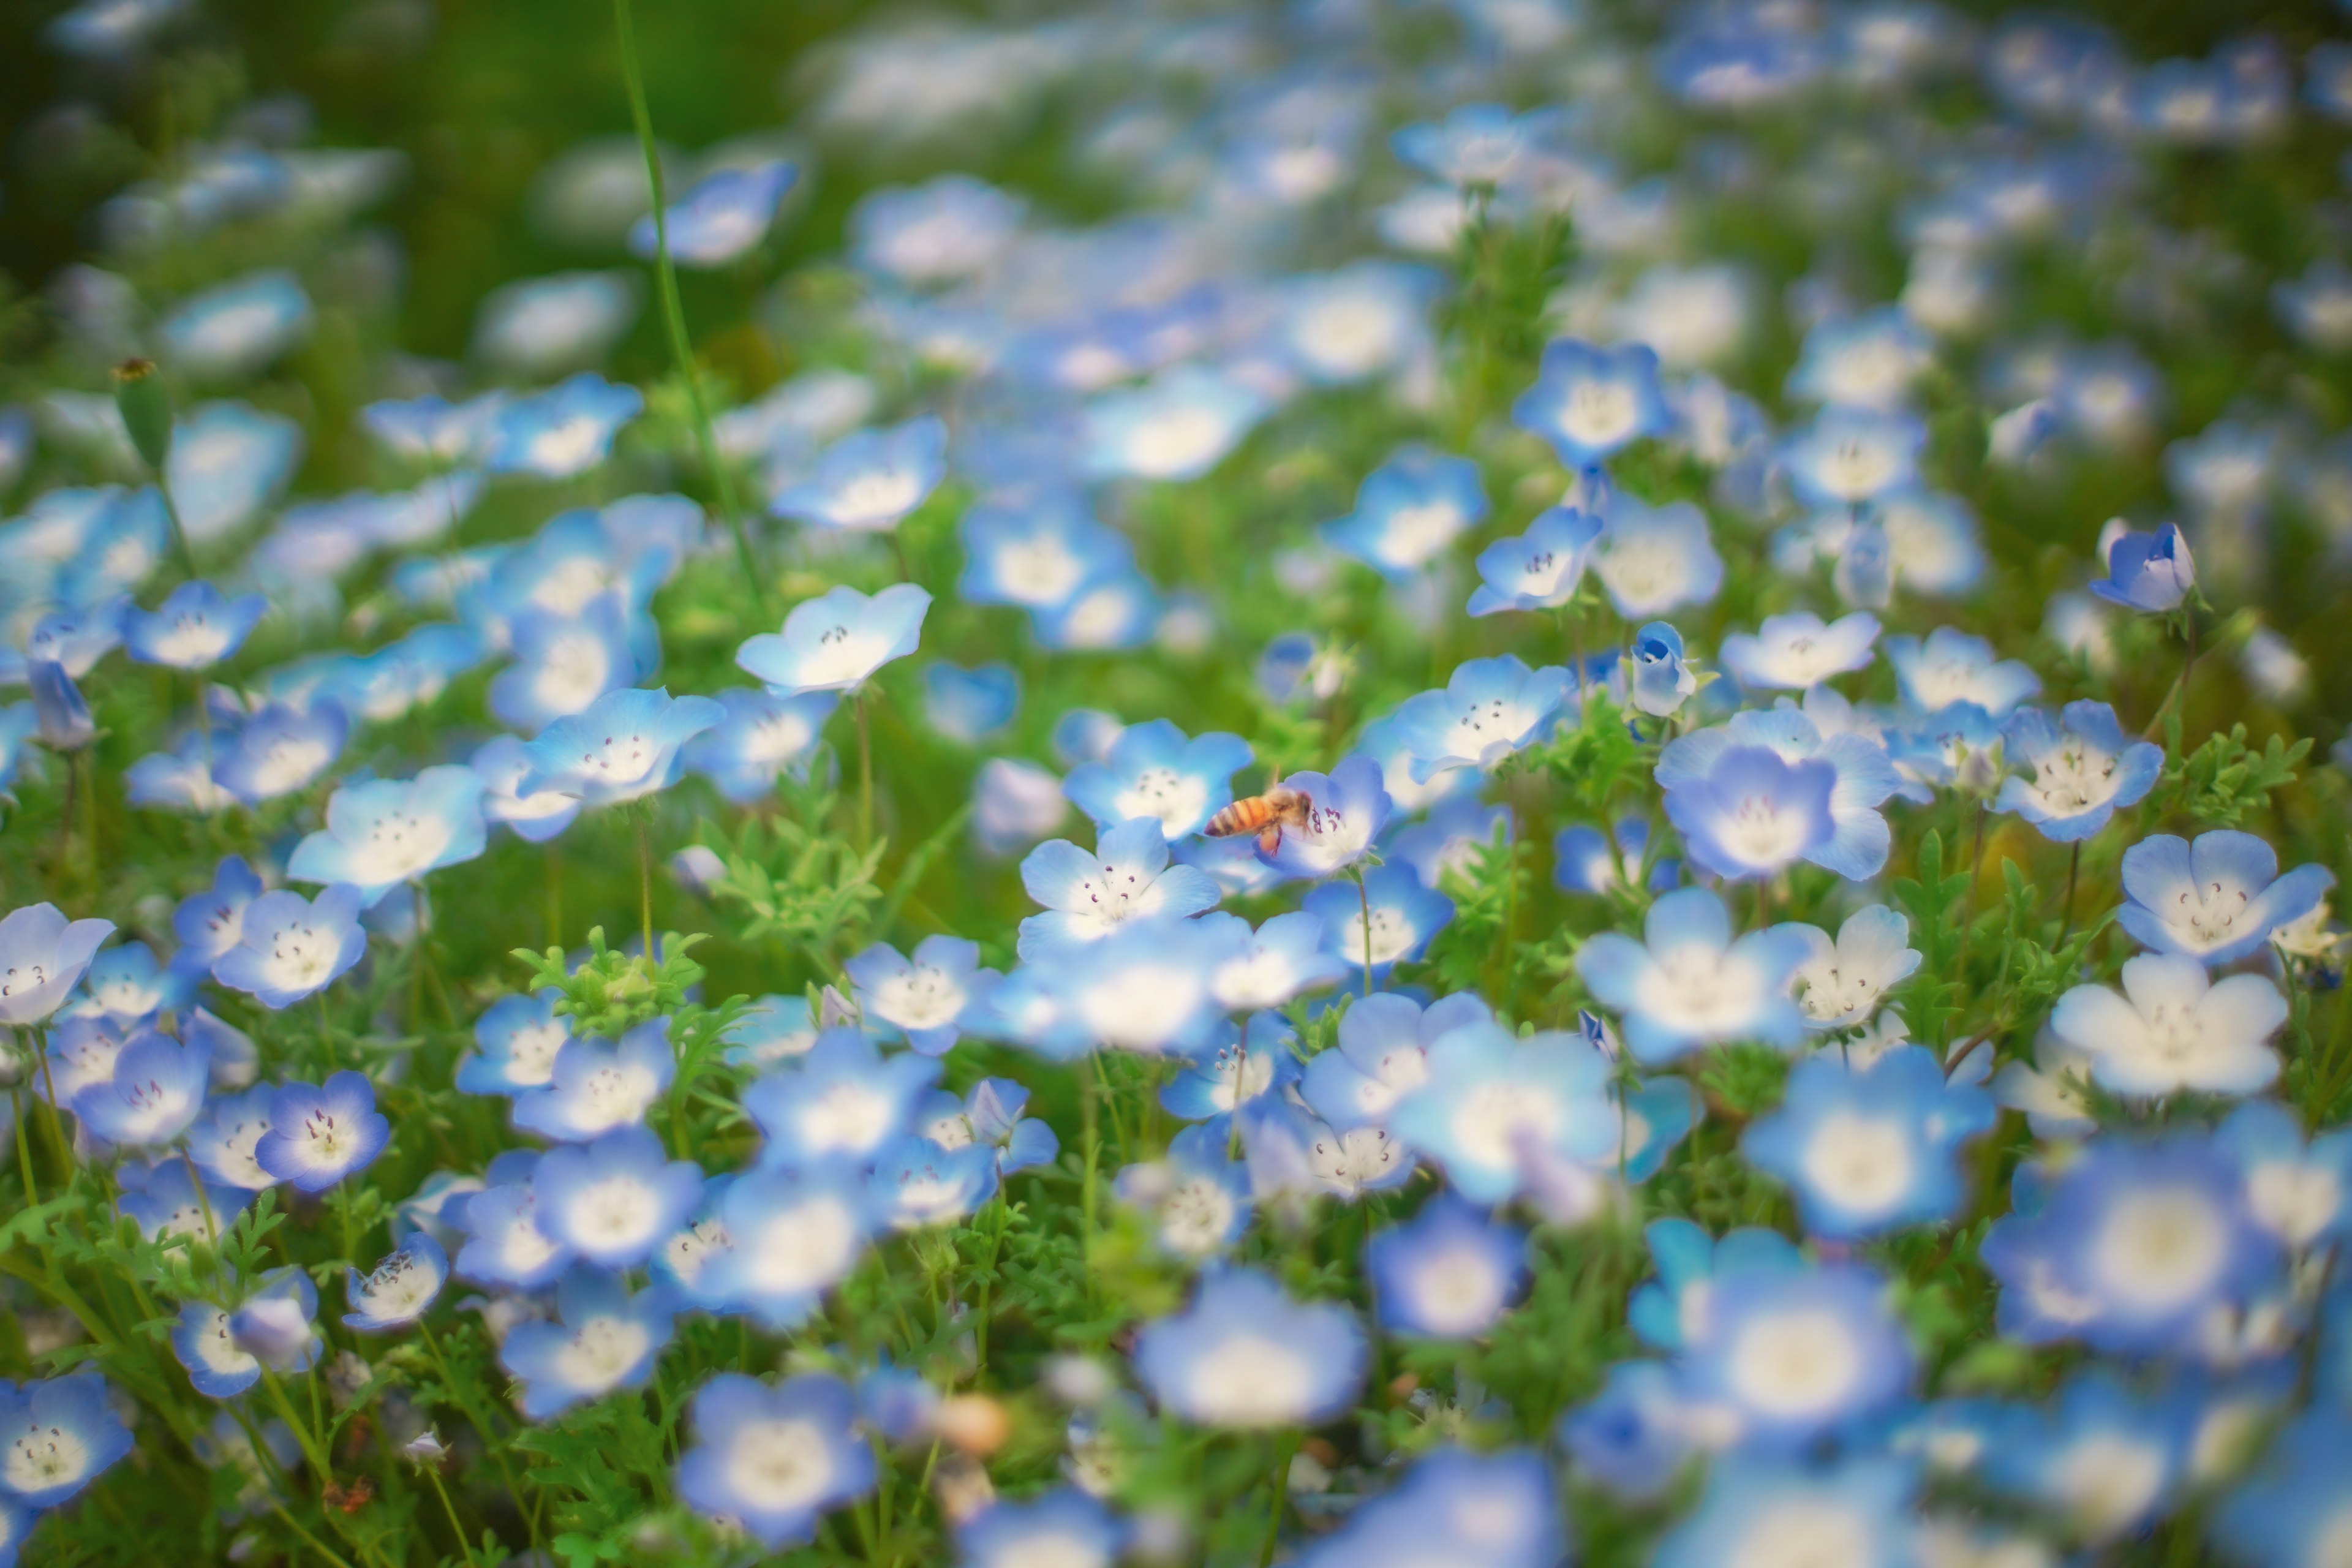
x: 673, y: 309
x: 865, y: 775
x: 1364, y: 902
x: 463, y: 1400
x: 2074, y: 869
x: 645, y: 887
x: 465, y: 1547
x: 25, y: 1152
x: 1285, y: 1447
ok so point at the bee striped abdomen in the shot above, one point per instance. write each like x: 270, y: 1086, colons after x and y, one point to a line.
x: 1242, y: 816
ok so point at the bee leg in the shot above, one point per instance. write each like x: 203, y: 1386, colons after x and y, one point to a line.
x: 1269, y: 838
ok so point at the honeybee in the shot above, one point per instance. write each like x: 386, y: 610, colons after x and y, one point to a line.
x: 1264, y: 814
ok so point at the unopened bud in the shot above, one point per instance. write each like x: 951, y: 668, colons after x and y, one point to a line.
x: 146, y: 408
x: 973, y: 1423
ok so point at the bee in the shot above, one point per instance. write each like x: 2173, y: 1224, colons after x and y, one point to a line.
x: 1264, y: 814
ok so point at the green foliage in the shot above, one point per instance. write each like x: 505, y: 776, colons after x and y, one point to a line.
x: 2224, y: 781
x: 611, y: 992
x: 796, y: 883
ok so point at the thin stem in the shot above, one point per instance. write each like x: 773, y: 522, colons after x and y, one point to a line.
x: 1091, y: 1141
x: 2074, y: 869
x: 673, y: 309
x: 433, y: 1473
x: 865, y: 775
x: 1364, y: 902
x: 25, y: 1152
x: 646, y: 887
x: 2180, y: 683
x: 1285, y: 1447
x: 481, y: 1427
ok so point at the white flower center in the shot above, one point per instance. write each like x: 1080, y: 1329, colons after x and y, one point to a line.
x: 1248, y: 1380
x: 1861, y: 1164
x: 780, y: 1467
x: 601, y: 1352
x: 1798, y: 1363
x: 1039, y: 570
x: 2160, y: 1248
x: 802, y: 1248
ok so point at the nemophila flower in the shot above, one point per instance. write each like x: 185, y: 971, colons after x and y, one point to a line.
x: 946, y: 229
x: 2084, y: 767
x: 1153, y: 770
x: 605, y: 1338
x: 686, y: 1260
x: 721, y: 217
x: 317, y: 1135
x: 1409, y: 512
x: 759, y: 736
x: 1538, y: 570
x: 792, y: 1236
x: 834, y: 641
x: 1870, y: 1148
x: 1794, y: 1355
x: 970, y: 705
x: 281, y: 749
x: 501, y: 762
x: 1857, y: 1511
x: 1590, y: 402
x: 1039, y: 553
x: 843, y: 1100
x: 1244, y: 1355
x: 614, y: 1198
x: 1957, y: 746
x: 128, y: 984
x: 1382, y: 1055
x: 933, y: 996
x: 228, y: 463
x: 1745, y: 811
x: 1841, y: 983
x: 82, y: 1048
x: 2294, y: 1511
x: 2217, y: 898
x: 1356, y: 320
x: 61, y: 713
x: 1063, y: 1528
x: 178, y: 780
x: 1474, y: 144
x: 383, y: 832
x: 989, y: 1115
x: 1178, y: 425
x: 594, y: 1087
x: 771, y: 1030
x: 535, y: 328
x: 278, y: 1324
x: 2300, y: 1193
x: 1197, y: 1200
x: 1952, y: 666
x: 432, y: 430
x: 1689, y: 983
x: 1404, y: 913
x: 776, y: 1460
x: 917, y: 1183
x: 218, y: 1367
x: 1347, y: 810
x: 1499, y: 1511
x: 1234, y: 1067
x: 291, y: 947
x: 1632, y: 1437
x: 164, y: 1202
x: 397, y: 1290
x: 1492, y: 1100
x: 504, y: 1245
x: 1654, y: 559
x: 209, y: 923
x: 1662, y: 682
x: 1795, y: 652
x: 1089, y: 897
x: 519, y: 1038
x: 1450, y: 839
x: 2174, y: 1027
x: 224, y: 1135
x: 78, y: 638
x: 1852, y: 457
x: 1581, y: 861
x: 193, y: 629
x: 1866, y: 361
x: 1270, y: 966
x: 1490, y: 707
x: 158, y: 1088
x: 18, y: 723
x: 562, y: 432
x: 61, y: 1435
x: 2153, y: 572
x: 869, y: 480
x: 1451, y: 1272
x: 1118, y: 610
x: 2102, y: 1460
x: 2053, y: 1092
x: 564, y: 662
x: 2135, y: 1246
x: 626, y: 745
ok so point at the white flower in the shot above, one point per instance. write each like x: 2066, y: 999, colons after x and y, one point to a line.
x: 2173, y: 1028
x: 1843, y: 984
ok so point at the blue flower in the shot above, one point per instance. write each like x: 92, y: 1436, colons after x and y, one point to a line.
x: 834, y: 641
x: 2299, y: 1194
x: 626, y: 745
x: 504, y: 1245
x: 606, y: 1339
x: 157, y: 1089
x: 2218, y: 899
x: 383, y: 832
x: 1717, y: 801
x: 223, y: 1138
x: 1450, y: 839
x: 218, y: 1367
x: 2131, y: 1247
x: 61, y: 713
x: 1449, y: 1273
x: 1244, y: 1354
x: 227, y: 465
x: 613, y: 1199
x: 1796, y: 651
x: 1688, y: 984
x: 209, y: 923
x: 1792, y: 1356
x: 869, y: 480
x: 687, y: 1259
x: 991, y: 1115
x: 1842, y: 983
x: 1765, y: 1510
x: 278, y: 1324
x: 1498, y: 1510
x: 1654, y: 559
x: 595, y: 1087
x: 842, y: 1101
x: 291, y: 947
x: 1064, y: 1528
x: 1953, y: 667
x: 721, y: 217
x: 1590, y: 402
x: 1851, y: 457
x: 397, y: 1290
x: 1870, y: 1148
x: 771, y: 1030
x: 432, y: 429
x: 1178, y: 425
x: 970, y: 705
x: 234, y: 328
x: 1404, y: 913
x: 1490, y: 708
x: 2084, y: 767
x: 1662, y: 681
x: 1694, y: 1271
x: 1538, y: 570
x: 1382, y: 1055
x: 2104, y: 1460
x: 1118, y: 610
x: 19, y: 721
x: 1866, y: 361
x: 1581, y: 861
x: 281, y: 749
x: 1038, y: 555
x: 1236, y: 1067
x: 126, y: 984
x: 564, y: 431
x: 760, y: 736
x: 193, y: 629
x: 917, y: 1183
x: 774, y: 1460
x: 564, y: 661
x: 1356, y: 320
x: 2174, y: 1028
x: 1271, y: 965
x: 933, y: 997
x: 317, y: 1135
x: 1492, y: 1103
x: 1475, y: 144
x: 1198, y: 1198
x: 2152, y: 571
x: 946, y: 229
x: 1409, y: 512
x: 792, y: 1235
x: 1153, y: 770
x: 518, y: 1039
x: 165, y: 1203
x: 1633, y: 1437
x: 502, y: 763
x: 61, y: 1435
x: 1089, y: 897
x: 78, y: 638
x: 2294, y: 1509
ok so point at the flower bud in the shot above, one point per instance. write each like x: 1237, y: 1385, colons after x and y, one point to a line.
x: 146, y: 408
